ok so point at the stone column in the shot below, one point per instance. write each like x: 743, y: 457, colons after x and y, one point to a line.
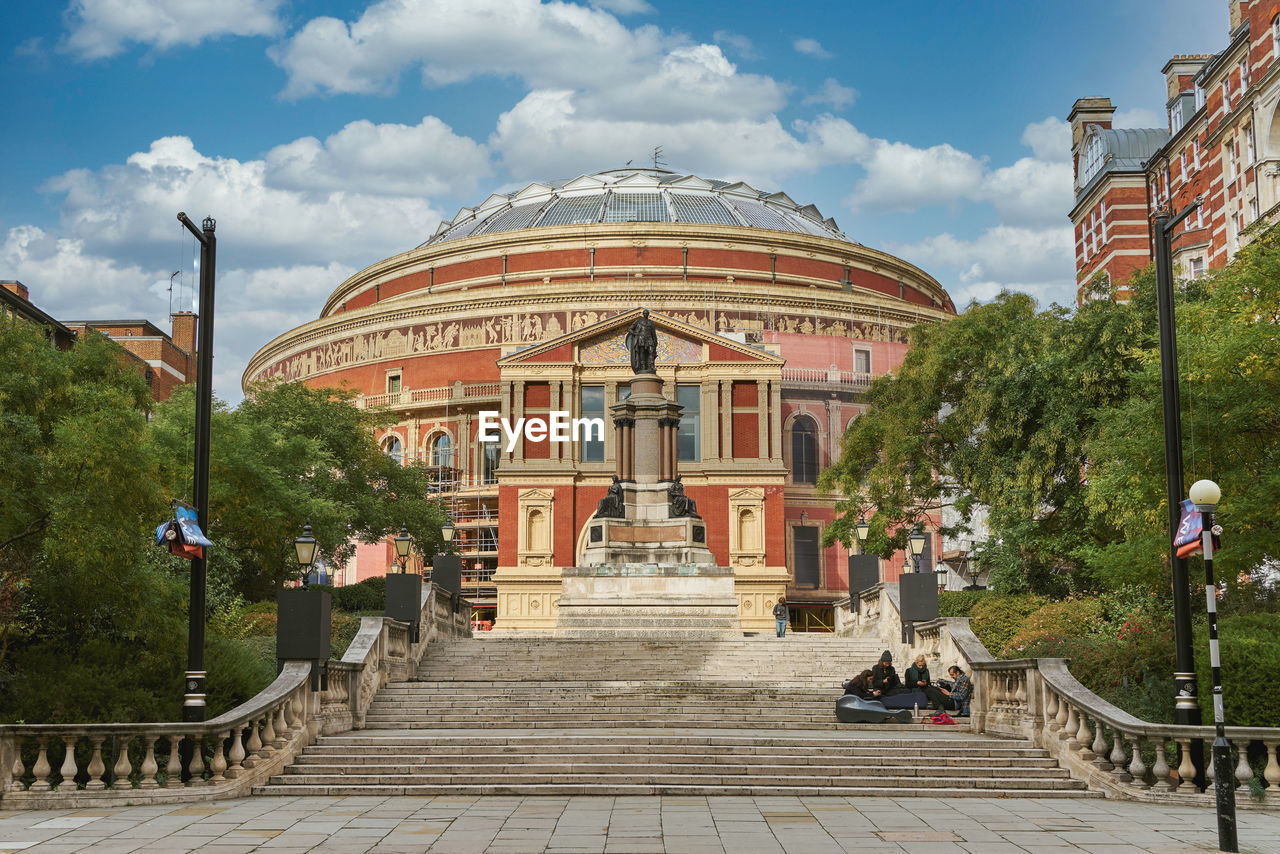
x: 673, y: 437
x: 629, y: 449
x: 517, y: 412
x: 726, y: 419
x: 762, y: 419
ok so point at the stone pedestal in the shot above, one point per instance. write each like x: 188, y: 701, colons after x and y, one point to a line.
x: 648, y: 601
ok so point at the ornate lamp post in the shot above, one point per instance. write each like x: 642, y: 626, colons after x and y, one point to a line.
x: 862, y: 529
x: 940, y: 571
x: 917, y: 540
x: 306, y: 549
x: 403, y: 541
x: 1205, y: 494
x: 446, y: 534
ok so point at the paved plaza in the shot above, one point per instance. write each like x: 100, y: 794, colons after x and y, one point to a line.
x: 645, y: 825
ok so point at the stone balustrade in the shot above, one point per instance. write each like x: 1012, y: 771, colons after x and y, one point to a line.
x: 50, y: 766
x: 1038, y: 699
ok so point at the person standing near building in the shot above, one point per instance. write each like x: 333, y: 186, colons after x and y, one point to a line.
x: 782, y: 614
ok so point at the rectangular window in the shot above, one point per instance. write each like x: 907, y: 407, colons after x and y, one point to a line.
x: 489, y: 452
x: 1195, y: 148
x: 689, y: 432
x: 592, y: 406
x: 393, y: 383
x: 1226, y: 94
x: 1250, y: 150
x: 1102, y: 223
x: 862, y: 361
x: 1253, y: 209
x: 1197, y: 268
x: 1182, y: 162
x: 1175, y: 117
x: 1228, y: 163
x: 807, y: 568
x: 1200, y: 96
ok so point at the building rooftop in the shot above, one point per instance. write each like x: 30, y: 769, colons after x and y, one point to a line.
x: 637, y: 194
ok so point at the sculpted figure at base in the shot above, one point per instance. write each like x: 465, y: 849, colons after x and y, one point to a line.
x: 681, y: 504
x: 612, y: 505
x: 642, y: 344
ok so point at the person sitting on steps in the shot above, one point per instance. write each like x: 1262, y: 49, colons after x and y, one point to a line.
x: 960, y: 692
x: 884, y: 678
x: 860, y: 686
x: 918, y: 680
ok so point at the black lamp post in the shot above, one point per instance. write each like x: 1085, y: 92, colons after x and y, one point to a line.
x: 940, y: 571
x: 917, y: 539
x: 403, y: 542
x: 446, y: 533
x: 1205, y: 494
x: 1186, y: 709
x: 305, y: 546
x: 862, y: 529
x: 193, y: 702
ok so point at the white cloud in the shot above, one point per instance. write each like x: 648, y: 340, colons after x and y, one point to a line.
x: 1050, y: 139
x: 102, y: 28
x: 548, y: 135
x: 833, y: 94
x: 554, y: 45
x: 1037, y: 261
x: 1138, y: 117
x: 811, y: 47
x: 131, y: 208
x: 624, y: 7
x: 903, y: 177
x: 427, y: 159
x: 738, y: 43
x: 1030, y: 192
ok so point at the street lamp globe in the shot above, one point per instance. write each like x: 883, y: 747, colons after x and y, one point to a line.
x: 306, y: 547
x: 917, y: 539
x: 403, y: 541
x: 862, y: 529
x: 446, y: 531
x: 1204, y: 493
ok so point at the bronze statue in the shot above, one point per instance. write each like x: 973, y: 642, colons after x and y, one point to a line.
x: 642, y: 344
x: 612, y: 506
x: 681, y: 505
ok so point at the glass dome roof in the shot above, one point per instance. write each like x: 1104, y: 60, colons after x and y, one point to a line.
x: 637, y: 194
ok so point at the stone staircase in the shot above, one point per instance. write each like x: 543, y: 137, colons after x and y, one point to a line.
x: 750, y: 716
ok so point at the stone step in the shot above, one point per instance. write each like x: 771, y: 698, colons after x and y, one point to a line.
x: 882, y: 789
x: 750, y: 777
x: 622, y: 762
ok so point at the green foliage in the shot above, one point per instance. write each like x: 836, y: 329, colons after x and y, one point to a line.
x: 998, y: 617
x: 238, y: 669
x: 959, y: 603
x: 1250, y: 649
x: 369, y: 596
x: 1069, y: 618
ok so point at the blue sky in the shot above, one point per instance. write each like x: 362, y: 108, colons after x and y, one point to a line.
x: 324, y: 136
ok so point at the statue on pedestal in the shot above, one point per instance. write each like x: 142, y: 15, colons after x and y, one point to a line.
x: 612, y: 505
x: 642, y: 344
x: 681, y: 505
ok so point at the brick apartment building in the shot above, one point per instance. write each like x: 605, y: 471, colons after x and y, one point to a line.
x: 166, y: 360
x: 1221, y: 144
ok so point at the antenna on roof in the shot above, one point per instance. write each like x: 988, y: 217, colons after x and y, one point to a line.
x: 175, y: 273
x: 658, y: 162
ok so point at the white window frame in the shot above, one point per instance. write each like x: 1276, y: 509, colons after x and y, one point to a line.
x: 1201, y: 95
x: 1226, y: 94
x: 1275, y: 38
x: 1175, y: 117
x: 1102, y: 222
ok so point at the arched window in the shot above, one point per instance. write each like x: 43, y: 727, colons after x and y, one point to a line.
x: 804, y: 451
x: 1095, y: 150
x: 442, y: 450
x: 392, y: 447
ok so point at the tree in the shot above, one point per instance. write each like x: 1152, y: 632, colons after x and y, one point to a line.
x: 286, y: 455
x: 992, y: 407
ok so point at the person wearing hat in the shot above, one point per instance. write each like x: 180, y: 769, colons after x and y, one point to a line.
x: 782, y: 615
x: 884, y: 678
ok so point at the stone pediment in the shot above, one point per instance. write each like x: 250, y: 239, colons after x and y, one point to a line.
x: 603, y: 343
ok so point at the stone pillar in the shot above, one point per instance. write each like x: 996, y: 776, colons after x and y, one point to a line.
x: 762, y: 419
x: 516, y: 414
x: 726, y: 419
x: 629, y: 448
x: 664, y: 451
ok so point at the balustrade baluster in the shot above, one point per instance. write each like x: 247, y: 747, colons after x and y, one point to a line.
x: 1244, y: 773
x: 295, y: 713
x: 195, y: 768
x: 122, y: 767
x: 1082, y: 739
x: 268, y: 736
x: 18, y: 770
x: 1272, y: 772
x: 1051, y: 709
x: 1210, y: 769
x: 282, y: 728
x: 173, y: 768
x: 68, y: 769
x: 1117, y: 757
x: 218, y: 765
x: 1186, y: 770
x: 1068, y: 733
x: 1062, y: 717
x: 1101, y: 761
x: 1137, y: 768
x: 149, y: 766
x: 1020, y: 680
x: 236, y: 755
x: 41, y: 769
x: 1160, y: 770
x: 253, y: 746
x: 96, y: 769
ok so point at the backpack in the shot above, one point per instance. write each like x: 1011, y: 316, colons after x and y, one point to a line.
x: 941, y: 718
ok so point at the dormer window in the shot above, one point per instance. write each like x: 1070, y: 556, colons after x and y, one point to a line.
x: 1091, y: 162
x: 1200, y: 95
x: 1176, y: 119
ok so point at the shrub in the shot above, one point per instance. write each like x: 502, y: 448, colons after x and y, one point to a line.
x: 1250, y: 649
x: 1070, y: 618
x: 238, y: 669
x: 369, y: 595
x: 998, y: 617
x: 959, y: 603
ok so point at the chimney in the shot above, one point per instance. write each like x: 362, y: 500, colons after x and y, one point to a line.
x: 183, y: 331
x: 16, y: 287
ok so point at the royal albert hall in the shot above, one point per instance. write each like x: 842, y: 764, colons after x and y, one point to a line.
x: 771, y: 322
